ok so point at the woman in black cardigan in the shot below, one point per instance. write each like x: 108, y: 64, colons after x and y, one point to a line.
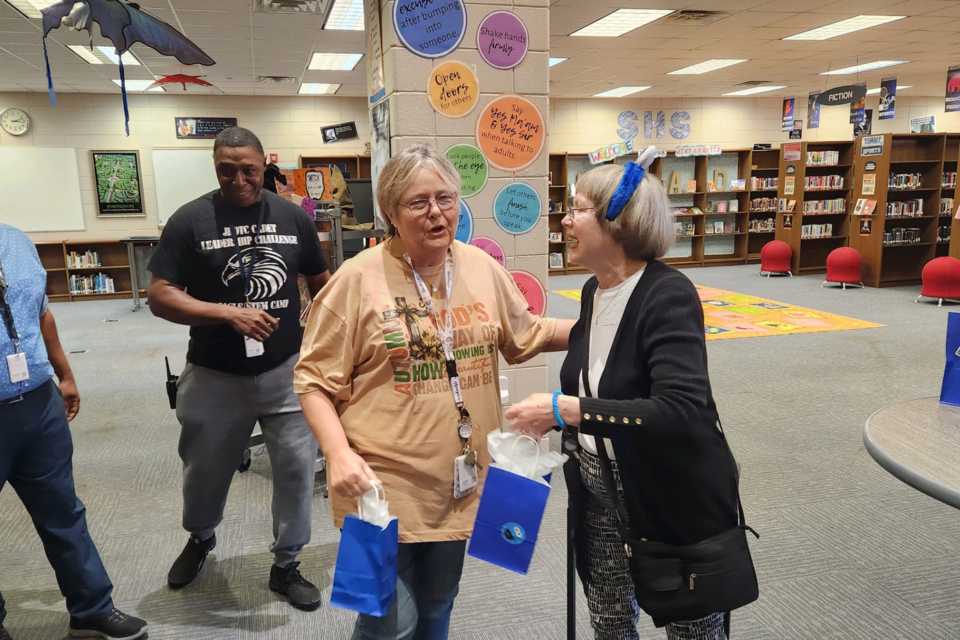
x: 642, y: 324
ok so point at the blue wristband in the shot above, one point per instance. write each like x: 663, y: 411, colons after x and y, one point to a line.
x: 556, y: 410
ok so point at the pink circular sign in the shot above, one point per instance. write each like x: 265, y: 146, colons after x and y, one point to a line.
x: 532, y: 289
x: 502, y: 40
x: 491, y: 247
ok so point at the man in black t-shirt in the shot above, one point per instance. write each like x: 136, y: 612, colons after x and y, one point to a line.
x: 227, y: 266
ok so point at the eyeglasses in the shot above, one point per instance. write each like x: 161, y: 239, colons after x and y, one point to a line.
x: 444, y: 202
x: 573, y: 212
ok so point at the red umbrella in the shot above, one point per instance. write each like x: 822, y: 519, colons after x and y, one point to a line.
x: 182, y: 79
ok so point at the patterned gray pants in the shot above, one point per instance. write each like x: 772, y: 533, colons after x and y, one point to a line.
x: 613, y: 607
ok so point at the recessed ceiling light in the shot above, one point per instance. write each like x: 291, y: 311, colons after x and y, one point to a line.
x: 705, y: 67
x: 138, y: 85
x: 842, y: 28
x: 31, y: 8
x: 346, y: 15
x: 620, y: 22
x: 619, y: 92
x: 334, y: 61
x: 750, y: 92
x: 869, y: 66
x: 103, y: 55
x: 900, y: 87
x: 318, y: 88
x: 554, y: 61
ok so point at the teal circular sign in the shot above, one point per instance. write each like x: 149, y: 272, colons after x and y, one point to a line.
x: 517, y: 208
x: 465, y: 223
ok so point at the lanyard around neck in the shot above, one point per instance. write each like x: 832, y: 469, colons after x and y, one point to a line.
x: 245, y: 273
x: 7, y: 313
x: 445, y: 331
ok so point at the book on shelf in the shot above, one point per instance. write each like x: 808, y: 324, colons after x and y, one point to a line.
x: 861, y: 203
x: 678, y: 227
x: 709, y: 206
x: 823, y: 158
x: 718, y: 226
x: 943, y: 234
x: 555, y: 236
x: 902, y: 235
x: 741, y: 184
x: 823, y: 207
x: 556, y: 260
x: 691, y: 229
x: 85, y: 260
x: 823, y: 183
x: 905, y: 181
x: 760, y: 225
x: 729, y: 226
x: 733, y: 207
x: 786, y: 206
x: 697, y: 211
x: 946, y: 206
x: 870, y: 208
x: 721, y: 206
x: 691, y: 186
x: 764, y: 184
x: 87, y: 285
x: 905, y: 209
x: 949, y: 180
x: 816, y: 231
x: 763, y: 204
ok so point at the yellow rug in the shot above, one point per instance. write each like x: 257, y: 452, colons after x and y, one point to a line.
x: 728, y: 314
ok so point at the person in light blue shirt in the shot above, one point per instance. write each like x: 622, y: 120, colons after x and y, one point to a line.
x: 36, y: 450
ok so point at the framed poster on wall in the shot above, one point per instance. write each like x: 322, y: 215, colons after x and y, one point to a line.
x: 117, y: 177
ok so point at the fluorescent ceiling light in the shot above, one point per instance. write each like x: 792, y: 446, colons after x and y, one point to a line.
x: 705, y: 67
x: 753, y: 90
x: 620, y: 22
x: 31, y: 8
x: 346, y: 15
x: 555, y: 61
x: 869, y: 66
x: 318, y: 88
x: 138, y: 85
x: 900, y: 87
x: 334, y: 61
x: 842, y: 28
x: 103, y: 55
x: 619, y: 92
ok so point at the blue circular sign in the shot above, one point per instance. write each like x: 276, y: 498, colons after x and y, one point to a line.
x: 430, y: 29
x: 513, y: 533
x: 465, y: 223
x: 517, y: 208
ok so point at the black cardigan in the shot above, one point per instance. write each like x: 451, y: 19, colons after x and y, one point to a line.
x: 655, y: 404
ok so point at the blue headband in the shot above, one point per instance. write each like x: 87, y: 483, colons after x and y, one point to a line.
x: 632, y: 175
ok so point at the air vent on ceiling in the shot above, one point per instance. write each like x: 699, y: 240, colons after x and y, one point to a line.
x: 698, y: 18
x: 278, y: 79
x: 291, y: 6
x: 752, y: 83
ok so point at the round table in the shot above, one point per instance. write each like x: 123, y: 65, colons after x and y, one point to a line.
x: 919, y: 442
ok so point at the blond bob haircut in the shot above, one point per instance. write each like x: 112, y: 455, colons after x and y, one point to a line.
x: 399, y: 172
x: 645, y: 227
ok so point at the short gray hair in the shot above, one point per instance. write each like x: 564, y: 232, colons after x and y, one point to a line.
x: 237, y: 137
x: 645, y: 227
x: 397, y: 175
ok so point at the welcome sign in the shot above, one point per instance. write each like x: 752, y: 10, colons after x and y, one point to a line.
x: 610, y: 152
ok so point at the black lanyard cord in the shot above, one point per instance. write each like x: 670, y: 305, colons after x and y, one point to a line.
x: 7, y: 313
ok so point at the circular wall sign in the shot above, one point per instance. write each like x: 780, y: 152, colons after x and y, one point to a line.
x: 511, y: 132
x: 465, y: 223
x: 517, y: 208
x: 428, y: 29
x: 502, y: 39
x: 532, y: 289
x: 491, y: 247
x: 472, y: 167
x: 453, y: 89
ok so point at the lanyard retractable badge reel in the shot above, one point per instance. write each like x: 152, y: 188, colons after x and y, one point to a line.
x: 17, y: 362
x: 253, y: 347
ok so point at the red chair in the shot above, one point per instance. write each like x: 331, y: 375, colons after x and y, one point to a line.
x: 941, y: 279
x: 775, y: 258
x: 843, y: 267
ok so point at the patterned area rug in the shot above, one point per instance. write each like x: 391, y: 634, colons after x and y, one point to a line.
x: 728, y: 314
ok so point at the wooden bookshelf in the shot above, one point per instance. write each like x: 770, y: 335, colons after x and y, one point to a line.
x: 886, y: 264
x: 810, y: 253
x: 54, y: 256
x: 557, y: 209
x: 951, y: 155
x: 357, y: 166
x: 763, y: 165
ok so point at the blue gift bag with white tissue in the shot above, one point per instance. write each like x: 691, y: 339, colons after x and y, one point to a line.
x: 365, y: 578
x: 513, y: 501
x: 950, y: 391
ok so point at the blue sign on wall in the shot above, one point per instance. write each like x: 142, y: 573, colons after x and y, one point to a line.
x: 517, y: 208
x: 430, y: 28
x: 465, y: 223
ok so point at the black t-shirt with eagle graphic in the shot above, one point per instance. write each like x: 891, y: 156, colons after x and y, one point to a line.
x: 197, y: 252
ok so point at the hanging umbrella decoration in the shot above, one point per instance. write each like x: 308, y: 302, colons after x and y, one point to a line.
x: 124, y: 24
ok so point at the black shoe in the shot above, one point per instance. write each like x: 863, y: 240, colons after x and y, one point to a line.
x: 188, y: 565
x: 4, y: 635
x: 115, y: 626
x: 288, y: 582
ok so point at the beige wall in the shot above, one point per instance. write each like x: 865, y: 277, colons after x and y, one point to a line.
x: 288, y: 126
x: 583, y: 125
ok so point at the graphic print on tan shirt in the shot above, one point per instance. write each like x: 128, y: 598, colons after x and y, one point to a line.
x: 370, y: 344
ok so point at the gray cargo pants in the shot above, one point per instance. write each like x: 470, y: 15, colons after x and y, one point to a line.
x: 217, y: 412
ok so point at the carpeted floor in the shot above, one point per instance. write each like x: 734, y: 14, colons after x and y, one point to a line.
x: 846, y: 550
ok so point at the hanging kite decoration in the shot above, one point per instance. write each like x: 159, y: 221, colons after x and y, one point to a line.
x: 182, y: 79
x: 124, y: 24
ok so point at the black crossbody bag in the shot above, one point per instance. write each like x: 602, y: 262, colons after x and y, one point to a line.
x: 688, y: 582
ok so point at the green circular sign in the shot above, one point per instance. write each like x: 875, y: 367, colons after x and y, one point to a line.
x: 472, y: 167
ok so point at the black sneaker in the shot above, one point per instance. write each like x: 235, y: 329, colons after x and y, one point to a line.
x: 115, y: 626
x: 298, y: 591
x: 4, y: 635
x: 188, y: 565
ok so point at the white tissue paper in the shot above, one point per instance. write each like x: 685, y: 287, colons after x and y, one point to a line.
x: 522, y: 455
x: 372, y: 507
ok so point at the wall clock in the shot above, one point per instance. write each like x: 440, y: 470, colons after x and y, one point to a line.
x: 15, y: 121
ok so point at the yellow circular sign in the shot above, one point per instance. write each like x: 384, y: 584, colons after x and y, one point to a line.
x: 453, y: 89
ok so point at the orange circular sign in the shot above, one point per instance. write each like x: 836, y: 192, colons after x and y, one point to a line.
x: 453, y: 89
x: 511, y: 132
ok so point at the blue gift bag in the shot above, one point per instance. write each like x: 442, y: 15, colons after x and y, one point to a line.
x: 508, y: 520
x: 950, y: 391
x: 365, y: 579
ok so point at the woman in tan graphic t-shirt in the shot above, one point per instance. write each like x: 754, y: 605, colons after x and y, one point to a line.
x: 374, y: 384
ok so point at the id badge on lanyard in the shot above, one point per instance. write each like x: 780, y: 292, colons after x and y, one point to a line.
x: 16, y: 362
x: 466, y: 465
x: 253, y: 347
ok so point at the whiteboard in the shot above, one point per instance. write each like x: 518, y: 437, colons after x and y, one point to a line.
x: 40, y: 189
x: 181, y: 175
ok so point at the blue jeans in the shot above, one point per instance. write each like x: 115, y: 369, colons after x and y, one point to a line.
x: 36, y: 456
x: 428, y: 580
